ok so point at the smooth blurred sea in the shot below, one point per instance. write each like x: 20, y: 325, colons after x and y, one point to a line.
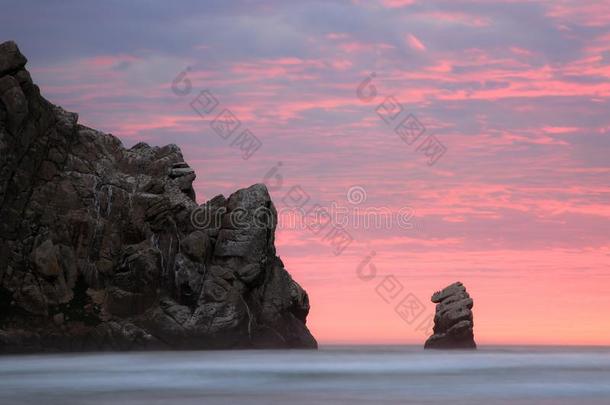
x: 331, y: 375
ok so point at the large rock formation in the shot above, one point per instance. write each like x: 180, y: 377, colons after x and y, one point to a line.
x: 101, y: 248
x: 453, y: 319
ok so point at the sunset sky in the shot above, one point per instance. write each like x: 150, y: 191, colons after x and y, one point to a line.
x: 518, y: 92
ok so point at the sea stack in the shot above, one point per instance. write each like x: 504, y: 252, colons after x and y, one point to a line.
x: 453, y: 324
x: 105, y: 248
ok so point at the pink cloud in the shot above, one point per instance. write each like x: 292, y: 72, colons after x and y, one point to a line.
x: 397, y: 3
x: 104, y: 61
x: 560, y: 130
x: 454, y: 17
x: 415, y: 43
x: 337, y: 36
x: 594, y: 14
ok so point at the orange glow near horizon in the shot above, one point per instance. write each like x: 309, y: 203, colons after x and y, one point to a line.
x: 528, y: 309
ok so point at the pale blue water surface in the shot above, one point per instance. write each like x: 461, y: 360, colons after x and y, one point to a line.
x: 331, y: 375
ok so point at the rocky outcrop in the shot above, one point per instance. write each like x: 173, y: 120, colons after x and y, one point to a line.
x: 105, y: 248
x: 453, y: 324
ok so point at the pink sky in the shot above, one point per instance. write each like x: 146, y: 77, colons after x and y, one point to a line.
x: 517, y: 91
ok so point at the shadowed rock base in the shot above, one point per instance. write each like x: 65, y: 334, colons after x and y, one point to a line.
x: 453, y: 324
x: 105, y: 248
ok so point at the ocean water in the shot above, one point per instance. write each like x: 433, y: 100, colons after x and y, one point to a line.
x: 331, y: 375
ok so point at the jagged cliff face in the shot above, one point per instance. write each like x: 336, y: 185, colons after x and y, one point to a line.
x: 99, y: 248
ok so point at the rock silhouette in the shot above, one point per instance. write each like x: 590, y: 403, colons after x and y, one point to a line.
x: 101, y: 249
x: 453, y: 323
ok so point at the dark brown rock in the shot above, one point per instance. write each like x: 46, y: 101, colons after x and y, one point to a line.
x: 11, y: 58
x: 101, y: 247
x: 453, y: 323
x: 14, y: 102
x: 45, y: 259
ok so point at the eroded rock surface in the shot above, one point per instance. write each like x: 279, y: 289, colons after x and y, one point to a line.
x: 99, y: 249
x: 453, y: 323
